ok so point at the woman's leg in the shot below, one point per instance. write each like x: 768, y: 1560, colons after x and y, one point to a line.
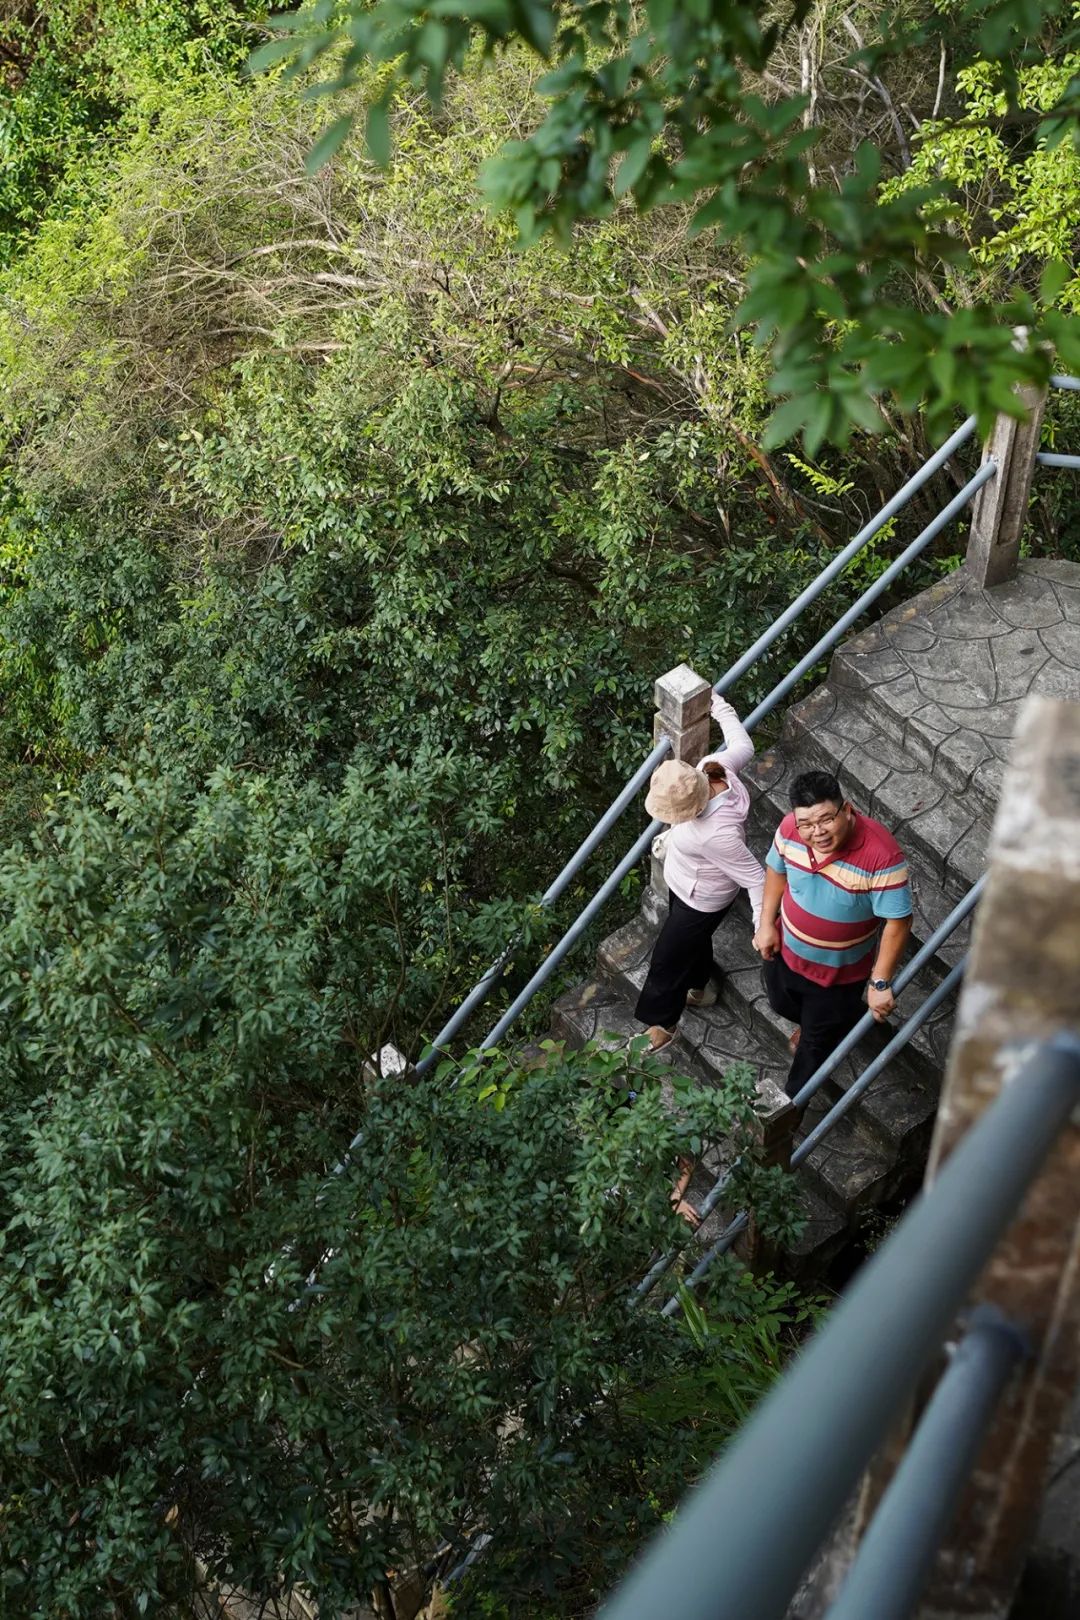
x: 679, y: 955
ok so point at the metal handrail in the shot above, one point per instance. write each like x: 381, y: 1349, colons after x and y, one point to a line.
x: 663, y: 747
x: 841, y: 560
x: 1061, y: 381
x: 903, y: 1035
x: 779, y: 692
x: 807, y: 1444
x: 899, y: 1547
x: 1050, y: 458
x: 923, y: 955
x: 844, y: 1104
x: 881, y: 584
x: 491, y: 977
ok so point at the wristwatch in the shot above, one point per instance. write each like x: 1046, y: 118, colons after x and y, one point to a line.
x: 880, y: 984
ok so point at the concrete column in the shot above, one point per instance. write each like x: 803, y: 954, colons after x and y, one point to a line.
x: 1000, y: 507
x: 773, y: 1129
x: 1022, y: 985
x: 682, y: 713
x: 388, y: 1060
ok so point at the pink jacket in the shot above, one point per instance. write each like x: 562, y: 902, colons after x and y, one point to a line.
x: 707, y: 861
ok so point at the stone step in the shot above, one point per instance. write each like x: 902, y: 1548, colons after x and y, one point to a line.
x: 896, y: 1108
x: 855, y: 1165
x: 946, y: 673
x: 597, y: 1012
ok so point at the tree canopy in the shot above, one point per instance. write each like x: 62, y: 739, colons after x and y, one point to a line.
x: 713, y: 104
x: 341, y: 542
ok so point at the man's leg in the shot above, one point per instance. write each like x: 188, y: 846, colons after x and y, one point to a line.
x: 829, y: 1012
x: 783, y: 988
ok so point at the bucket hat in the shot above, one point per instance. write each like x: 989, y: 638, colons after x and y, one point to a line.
x: 677, y: 792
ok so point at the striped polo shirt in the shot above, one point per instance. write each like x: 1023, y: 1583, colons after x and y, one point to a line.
x: 829, y: 914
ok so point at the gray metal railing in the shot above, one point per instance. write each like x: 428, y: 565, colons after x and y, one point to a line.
x: 796, y: 1462
x: 578, y: 927
x: 844, y: 1104
x: 780, y: 626
x: 880, y: 585
x: 897, y: 1552
x: 903, y: 1035
x: 1050, y: 458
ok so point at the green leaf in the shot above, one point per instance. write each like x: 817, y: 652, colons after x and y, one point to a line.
x: 328, y: 143
x: 377, y: 132
x: 632, y: 166
x: 786, y: 421
x: 1055, y: 278
x: 268, y: 55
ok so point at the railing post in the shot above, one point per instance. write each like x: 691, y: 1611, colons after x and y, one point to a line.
x: 1022, y: 985
x: 682, y: 715
x: 773, y: 1130
x: 1000, y: 508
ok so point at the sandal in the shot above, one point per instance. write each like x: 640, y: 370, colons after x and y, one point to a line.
x: 659, y: 1037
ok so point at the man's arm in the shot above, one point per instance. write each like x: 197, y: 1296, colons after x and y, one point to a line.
x: 894, y: 937
x: 767, y: 938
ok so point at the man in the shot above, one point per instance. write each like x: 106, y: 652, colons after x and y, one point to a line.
x: 831, y: 876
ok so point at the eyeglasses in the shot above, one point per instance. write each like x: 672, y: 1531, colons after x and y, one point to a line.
x: 821, y: 824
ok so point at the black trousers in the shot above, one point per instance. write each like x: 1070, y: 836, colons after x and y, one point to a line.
x: 824, y: 1012
x: 682, y: 960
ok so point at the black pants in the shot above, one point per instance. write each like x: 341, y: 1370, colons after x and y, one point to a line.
x: 825, y: 1013
x: 682, y: 960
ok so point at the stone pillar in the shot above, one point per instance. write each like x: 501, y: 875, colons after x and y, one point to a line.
x: 682, y: 713
x: 775, y: 1118
x: 388, y: 1060
x: 774, y: 1123
x: 1000, y: 507
x: 1022, y: 984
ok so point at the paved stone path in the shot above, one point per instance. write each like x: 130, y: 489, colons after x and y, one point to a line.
x: 949, y: 671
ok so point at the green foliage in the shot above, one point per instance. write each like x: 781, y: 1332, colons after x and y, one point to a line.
x: 675, y: 105
x: 70, y: 70
x: 190, y: 982
x: 340, y: 543
x: 1021, y: 196
x: 823, y: 482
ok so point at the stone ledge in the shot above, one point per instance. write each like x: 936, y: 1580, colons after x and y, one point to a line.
x: 947, y: 672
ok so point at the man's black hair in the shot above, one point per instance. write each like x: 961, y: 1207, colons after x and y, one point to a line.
x: 815, y: 787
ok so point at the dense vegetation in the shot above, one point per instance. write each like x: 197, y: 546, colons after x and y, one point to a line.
x: 340, y: 543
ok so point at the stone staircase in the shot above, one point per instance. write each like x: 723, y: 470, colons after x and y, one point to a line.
x: 915, y: 718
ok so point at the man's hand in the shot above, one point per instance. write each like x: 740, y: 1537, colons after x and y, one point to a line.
x: 880, y: 1003
x: 767, y: 940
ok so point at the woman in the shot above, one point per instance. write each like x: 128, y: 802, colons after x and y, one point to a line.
x: 705, y: 865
